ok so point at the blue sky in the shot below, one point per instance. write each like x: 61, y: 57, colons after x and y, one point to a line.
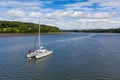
x: 65, y: 14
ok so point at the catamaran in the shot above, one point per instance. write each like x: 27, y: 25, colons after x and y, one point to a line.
x: 40, y: 52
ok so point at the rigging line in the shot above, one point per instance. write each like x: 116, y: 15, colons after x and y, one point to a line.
x: 35, y: 42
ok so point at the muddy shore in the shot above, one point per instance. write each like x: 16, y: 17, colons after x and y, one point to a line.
x: 15, y: 34
x: 27, y: 34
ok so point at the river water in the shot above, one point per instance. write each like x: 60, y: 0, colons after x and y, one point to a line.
x: 77, y: 56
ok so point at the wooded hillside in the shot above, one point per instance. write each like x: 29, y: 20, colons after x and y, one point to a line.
x: 24, y: 27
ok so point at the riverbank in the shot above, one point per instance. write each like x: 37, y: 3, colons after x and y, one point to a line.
x: 15, y: 34
x: 28, y: 34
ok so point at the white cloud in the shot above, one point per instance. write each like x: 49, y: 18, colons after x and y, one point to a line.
x: 72, y: 16
x: 101, y: 15
x: 26, y: 5
x: 92, y: 24
x: 85, y: 23
x: 34, y: 14
x: 105, y: 5
x: 77, y: 5
x: 46, y: 10
x: 58, y: 14
x: 15, y: 13
x: 80, y: 14
x: 19, y: 15
x: 35, y: 8
x: 113, y: 3
x: 77, y: 14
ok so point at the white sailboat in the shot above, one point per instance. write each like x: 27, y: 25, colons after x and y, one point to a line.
x: 39, y: 53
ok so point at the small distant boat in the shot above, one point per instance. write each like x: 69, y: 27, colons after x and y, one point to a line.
x: 39, y: 53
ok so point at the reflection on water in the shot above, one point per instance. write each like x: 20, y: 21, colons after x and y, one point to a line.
x: 38, y: 61
x: 77, y: 56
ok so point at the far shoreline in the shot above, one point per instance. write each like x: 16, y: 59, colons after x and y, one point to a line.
x: 29, y: 34
x: 34, y: 34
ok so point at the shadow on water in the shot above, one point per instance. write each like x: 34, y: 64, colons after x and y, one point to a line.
x: 40, y: 60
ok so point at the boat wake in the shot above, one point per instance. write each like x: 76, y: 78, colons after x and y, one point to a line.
x: 73, y: 39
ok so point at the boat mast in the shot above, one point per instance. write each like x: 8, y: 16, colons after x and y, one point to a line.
x: 39, y: 33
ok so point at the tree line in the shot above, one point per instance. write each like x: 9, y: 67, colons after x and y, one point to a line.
x: 24, y: 27
x: 96, y: 30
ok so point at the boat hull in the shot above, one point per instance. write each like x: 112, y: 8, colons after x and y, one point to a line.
x: 43, y: 55
x: 39, y: 55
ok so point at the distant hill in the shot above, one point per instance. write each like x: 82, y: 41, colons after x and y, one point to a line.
x: 24, y: 27
x: 96, y: 30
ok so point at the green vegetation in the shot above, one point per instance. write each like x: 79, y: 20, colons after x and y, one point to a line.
x: 22, y: 27
x: 96, y: 30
